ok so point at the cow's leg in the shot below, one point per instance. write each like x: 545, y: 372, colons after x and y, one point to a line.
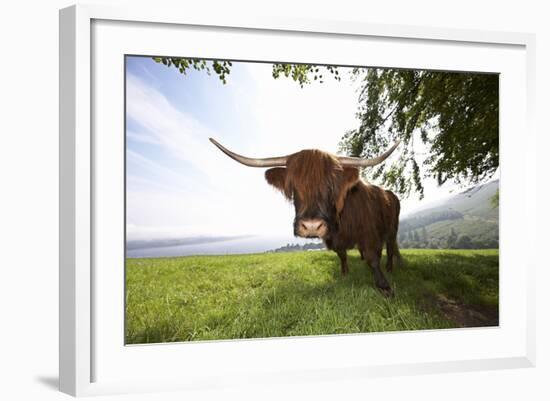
x: 389, y: 251
x: 362, y: 254
x: 373, y: 259
x: 343, y: 255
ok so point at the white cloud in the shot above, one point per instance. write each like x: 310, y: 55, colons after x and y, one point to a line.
x: 142, y: 137
x: 175, y: 130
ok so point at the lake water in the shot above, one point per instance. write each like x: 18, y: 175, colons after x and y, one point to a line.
x: 252, y: 244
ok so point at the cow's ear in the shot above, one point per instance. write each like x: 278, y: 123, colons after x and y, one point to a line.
x: 277, y: 177
x: 350, y: 177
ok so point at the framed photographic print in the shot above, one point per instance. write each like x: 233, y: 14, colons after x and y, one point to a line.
x: 268, y: 200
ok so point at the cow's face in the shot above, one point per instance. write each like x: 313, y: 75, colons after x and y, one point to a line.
x: 317, y: 184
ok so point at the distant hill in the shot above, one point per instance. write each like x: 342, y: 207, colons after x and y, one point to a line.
x: 467, y: 220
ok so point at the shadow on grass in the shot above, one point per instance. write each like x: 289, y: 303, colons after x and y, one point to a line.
x: 464, y: 287
x: 461, y: 288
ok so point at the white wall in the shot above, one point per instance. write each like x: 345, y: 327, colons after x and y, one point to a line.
x: 29, y: 185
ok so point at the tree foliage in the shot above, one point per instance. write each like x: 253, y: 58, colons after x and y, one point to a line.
x: 304, y: 73
x: 451, y: 240
x: 453, y: 115
x: 301, y: 73
x: 221, y: 68
x: 464, y: 242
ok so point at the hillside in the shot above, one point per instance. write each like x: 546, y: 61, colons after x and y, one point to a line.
x: 466, y: 220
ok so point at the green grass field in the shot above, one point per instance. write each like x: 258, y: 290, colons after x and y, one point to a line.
x: 302, y: 293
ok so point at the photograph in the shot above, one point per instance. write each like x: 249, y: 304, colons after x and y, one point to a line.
x: 269, y: 199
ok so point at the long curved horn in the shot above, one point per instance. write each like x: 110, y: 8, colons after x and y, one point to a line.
x: 248, y: 161
x: 359, y: 162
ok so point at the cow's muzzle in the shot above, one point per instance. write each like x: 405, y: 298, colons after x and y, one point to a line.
x: 311, y: 228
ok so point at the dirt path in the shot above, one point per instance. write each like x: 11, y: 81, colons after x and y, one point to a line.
x: 467, y: 315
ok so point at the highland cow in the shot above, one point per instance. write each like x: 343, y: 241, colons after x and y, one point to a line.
x: 333, y: 203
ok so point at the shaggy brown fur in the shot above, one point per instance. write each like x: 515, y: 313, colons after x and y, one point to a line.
x: 357, y: 214
x: 304, y: 172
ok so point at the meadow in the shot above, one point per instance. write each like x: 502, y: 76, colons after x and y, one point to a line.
x: 302, y: 293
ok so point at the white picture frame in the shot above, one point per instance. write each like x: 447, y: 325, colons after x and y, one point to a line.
x: 88, y: 366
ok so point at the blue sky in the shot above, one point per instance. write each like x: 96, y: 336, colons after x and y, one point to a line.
x: 179, y: 184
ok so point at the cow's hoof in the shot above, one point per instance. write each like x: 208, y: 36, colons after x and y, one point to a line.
x: 386, y: 291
